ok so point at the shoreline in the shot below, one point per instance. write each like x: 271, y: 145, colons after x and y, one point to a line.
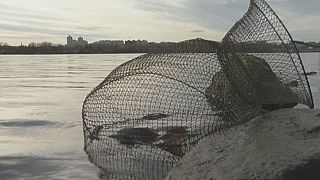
x: 318, y: 51
x: 70, y: 53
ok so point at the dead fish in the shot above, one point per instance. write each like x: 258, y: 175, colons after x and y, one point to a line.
x: 173, y: 145
x: 174, y: 131
x: 178, y: 129
x: 138, y: 131
x: 173, y: 140
x: 175, y: 150
x: 124, y: 139
x: 132, y: 136
x: 154, y: 116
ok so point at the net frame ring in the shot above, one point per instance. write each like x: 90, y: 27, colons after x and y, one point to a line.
x: 230, y: 48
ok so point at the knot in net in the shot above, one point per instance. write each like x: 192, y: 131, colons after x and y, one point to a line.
x: 151, y: 110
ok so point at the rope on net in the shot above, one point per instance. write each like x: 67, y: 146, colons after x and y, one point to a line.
x: 150, y: 111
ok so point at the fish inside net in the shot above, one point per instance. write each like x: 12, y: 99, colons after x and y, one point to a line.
x: 150, y: 111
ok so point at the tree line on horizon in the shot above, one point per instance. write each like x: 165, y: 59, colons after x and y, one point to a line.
x: 99, y: 47
x: 102, y: 47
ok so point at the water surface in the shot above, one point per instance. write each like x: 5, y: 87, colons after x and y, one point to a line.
x: 40, y: 113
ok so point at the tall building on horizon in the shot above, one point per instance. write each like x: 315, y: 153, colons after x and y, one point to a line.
x: 74, y: 43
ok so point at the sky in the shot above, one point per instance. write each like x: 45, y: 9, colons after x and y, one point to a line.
x: 25, y: 21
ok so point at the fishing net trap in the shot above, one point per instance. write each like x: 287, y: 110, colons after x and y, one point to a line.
x: 151, y: 110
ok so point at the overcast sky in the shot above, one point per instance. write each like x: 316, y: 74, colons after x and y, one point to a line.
x: 154, y: 20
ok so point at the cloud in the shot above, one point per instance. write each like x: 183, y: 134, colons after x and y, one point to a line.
x: 155, y: 20
x: 197, y: 31
x: 301, y: 18
x: 220, y: 15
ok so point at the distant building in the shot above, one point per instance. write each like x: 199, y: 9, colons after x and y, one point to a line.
x: 74, y: 43
x: 71, y: 42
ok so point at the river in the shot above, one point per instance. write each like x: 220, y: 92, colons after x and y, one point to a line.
x: 41, y: 96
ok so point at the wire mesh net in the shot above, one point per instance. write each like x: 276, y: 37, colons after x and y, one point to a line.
x: 150, y: 111
x: 262, y: 35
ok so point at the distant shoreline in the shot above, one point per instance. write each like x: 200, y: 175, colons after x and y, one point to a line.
x: 70, y: 53
x: 315, y: 51
x: 309, y: 51
x: 134, y: 47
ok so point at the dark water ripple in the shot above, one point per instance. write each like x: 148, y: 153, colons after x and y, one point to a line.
x: 36, y: 167
x: 26, y: 123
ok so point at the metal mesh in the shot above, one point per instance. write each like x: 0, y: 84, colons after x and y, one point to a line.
x: 261, y: 33
x: 151, y: 110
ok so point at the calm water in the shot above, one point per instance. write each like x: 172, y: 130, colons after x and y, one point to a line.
x: 311, y: 62
x: 41, y: 98
x: 40, y: 112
